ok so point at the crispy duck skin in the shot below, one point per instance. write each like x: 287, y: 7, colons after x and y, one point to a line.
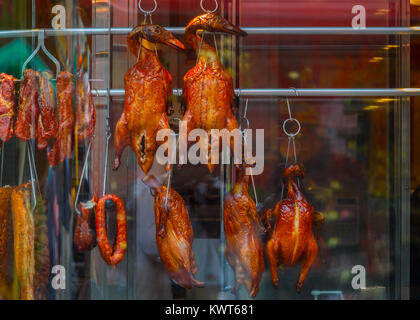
x: 148, y: 98
x: 24, y: 240
x: 208, y: 88
x: 7, y: 106
x: 85, y: 110
x: 42, y: 251
x: 6, y: 243
x: 47, y: 117
x: 63, y: 145
x: 243, y: 229
x: 26, y: 126
x: 292, y: 239
x: 174, y: 236
x: 85, y: 232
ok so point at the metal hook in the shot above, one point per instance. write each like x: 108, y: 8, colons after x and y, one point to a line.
x: 81, y: 178
x: 41, y: 45
x: 108, y: 136
x: 2, y: 146
x: 209, y: 11
x: 167, y: 189
x: 291, y: 135
x: 33, y: 174
x: 148, y: 12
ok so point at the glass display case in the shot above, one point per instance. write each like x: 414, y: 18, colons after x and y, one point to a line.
x: 326, y: 83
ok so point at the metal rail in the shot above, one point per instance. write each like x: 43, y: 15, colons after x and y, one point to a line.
x: 249, y: 30
x: 399, y: 92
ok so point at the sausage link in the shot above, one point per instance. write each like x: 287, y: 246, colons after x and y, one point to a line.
x: 112, y: 256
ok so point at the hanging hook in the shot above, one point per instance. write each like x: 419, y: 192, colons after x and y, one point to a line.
x: 41, y: 45
x: 209, y: 11
x: 33, y: 174
x: 244, y: 118
x: 81, y: 178
x: 167, y: 189
x: 108, y: 137
x: 2, y: 146
x: 148, y: 12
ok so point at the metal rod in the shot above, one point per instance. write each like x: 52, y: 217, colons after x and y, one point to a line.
x: 357, y: 92
x: 249, y: 30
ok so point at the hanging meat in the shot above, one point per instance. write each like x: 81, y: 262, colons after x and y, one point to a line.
x: 24, y: 240
x: 85, y: 110
x: 42, y: 251
x: 292, y: 239
x: 111, y: 255
x: 63, y: 145
x: 6, y: 243
x: 174, y: 236
x: 47, y: 125
x: 208, y: 88
x: 148, y: 97
x: 7, y: 106
x: 26, y: 126
x: 243, y: 230
x: 85, y: 232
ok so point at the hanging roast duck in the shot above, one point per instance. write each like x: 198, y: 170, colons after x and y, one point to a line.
x: 208, y: 92
x: 148, y: 97
x: 292, y: 239
x: 174, y: 235
x: 243, y: 229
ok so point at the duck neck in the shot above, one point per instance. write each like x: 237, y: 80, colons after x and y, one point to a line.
x: 242, y: 185
x: 293, y: 190
x: 206, y: 53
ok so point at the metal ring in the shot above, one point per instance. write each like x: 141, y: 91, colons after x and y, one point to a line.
x: 295, y: 90
x: 148, y: 12
x: 291, y: 134
x: 209, y: 11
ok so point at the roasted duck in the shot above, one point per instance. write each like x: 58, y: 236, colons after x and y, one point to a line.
x: 148, y: 97
x: 85, y: 232
x: 24, y: 240
x: 111, y: 255
x: 85, y: 110
x: 7, y: 106
x: 174, y: 236
x: 63, y: 145
x: 42, y: 251
x: 208, y: 88
x: 47, y: 125
x: 6, y: 243
x: 292, y: 239
x: 26, y: 126
x: 243, y: 229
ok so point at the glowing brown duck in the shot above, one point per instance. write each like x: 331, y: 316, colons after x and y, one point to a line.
x: 174, y: 235
x: 292, y: 239
x: 208, y: 88
x: 148, y: 97
x: 243, y: 228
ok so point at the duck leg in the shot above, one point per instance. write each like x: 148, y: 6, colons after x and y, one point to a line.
x: 273, y: 250
x: 122, y: 139
x: 310, y: 256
